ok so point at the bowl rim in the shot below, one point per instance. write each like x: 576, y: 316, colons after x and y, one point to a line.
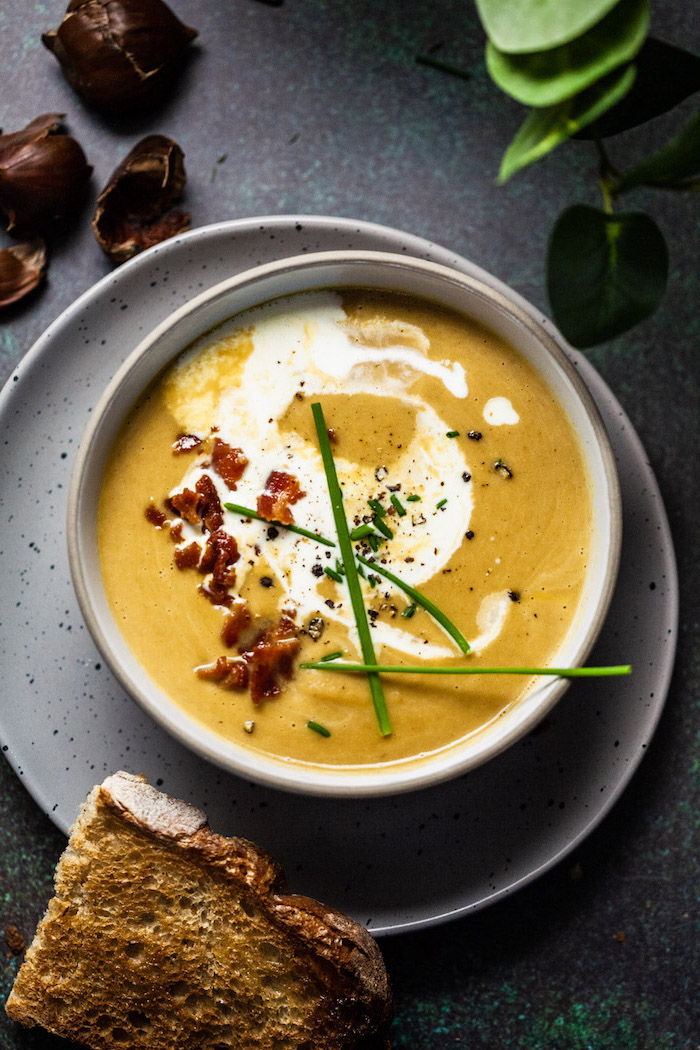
x: 292, y: 775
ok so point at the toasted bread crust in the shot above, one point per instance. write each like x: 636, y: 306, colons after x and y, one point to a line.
x: 244, y: 963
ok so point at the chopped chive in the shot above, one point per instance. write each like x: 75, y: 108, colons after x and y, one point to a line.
x: 361, y: 531
x: 246, y: 512
x: 374, y: 542
x: 372, y: 581
x: 339, y: 567
x: 377, y: 507
x: 384, y: 528
x: 318, y: 728
x: 452, y: 434
x: 352, y: 579
x: 400, y: 509
x: 333, y: 574
x: 409, y: 611
x: 413, y: 498
x: 440, y: 504
x: 330, y: 656
x: 557, y: 672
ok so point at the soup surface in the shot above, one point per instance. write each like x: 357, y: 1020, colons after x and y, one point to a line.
x: 479, y: 499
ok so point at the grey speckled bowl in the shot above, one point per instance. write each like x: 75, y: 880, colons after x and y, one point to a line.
x: 336, y: 269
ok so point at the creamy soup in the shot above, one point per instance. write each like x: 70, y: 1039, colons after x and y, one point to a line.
x: 452, y: 453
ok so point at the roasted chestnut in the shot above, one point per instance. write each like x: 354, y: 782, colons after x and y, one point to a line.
x: 43, y: 176
x: 133, y: 211
x: 119, y: 54
x: 22, y: 267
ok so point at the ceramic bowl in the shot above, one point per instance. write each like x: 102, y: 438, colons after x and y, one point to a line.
x: 429, y: 281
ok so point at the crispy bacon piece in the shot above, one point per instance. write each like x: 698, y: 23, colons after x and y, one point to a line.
x: 271, y: 660
x: 228, y: 462
x: 219, y: 556
x: 187, y: 557
x: 235, y: 621
x: 185, y: 504
x: 176, y: 531
x: 229, y: 671
x: 209, y: 504
x: 155, y: 515
x: 186, y: 443
x: 281, y: 490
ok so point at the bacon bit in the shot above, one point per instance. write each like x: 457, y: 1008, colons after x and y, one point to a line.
x: 236, y: 621
x: 176, y: 531
x: 271, y: 660
x: 220, y: 554
x: 186, y: 443
x: 155, y: 515
x: 209, y: 504
x: 281, y: 489
x: 187, y: 557
x: 185, y: 504
x: 228, y: 462
x: 229, y: 671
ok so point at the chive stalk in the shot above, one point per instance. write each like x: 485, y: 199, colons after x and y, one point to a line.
x: 352, y: 579
x: 246, y: 512
x: 558, y: 672
x: 400, y: 509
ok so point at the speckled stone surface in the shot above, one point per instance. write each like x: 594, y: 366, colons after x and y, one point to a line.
x: 318, y: 108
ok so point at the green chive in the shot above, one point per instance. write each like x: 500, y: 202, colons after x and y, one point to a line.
x: 361, y: 531
x: 557, y: 672
x: 440, y: 504
x: 413, y: 498
x: 408, y: 612
x: 330, y: 656
x: 318, y: 728
x: 400, y: 509
x: 352, y: 579
x: 377, y: 507
x: 452, y: 434
x: 333, y: 574
x: 384, y: 528
x: 246, y: 512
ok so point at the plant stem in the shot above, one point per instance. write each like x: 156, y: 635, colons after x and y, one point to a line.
x: 246, y: 512
x: 558, y: 672
x: 352, y: 579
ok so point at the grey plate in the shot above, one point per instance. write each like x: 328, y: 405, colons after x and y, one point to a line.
x: 393, y: 864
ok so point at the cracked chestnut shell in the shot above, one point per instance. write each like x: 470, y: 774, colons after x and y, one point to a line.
x: 119, y: 54
x: 22, y: 266
x: 134, y: 210
x: 43, y: 175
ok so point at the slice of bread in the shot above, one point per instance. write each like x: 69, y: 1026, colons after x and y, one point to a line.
x: 162, y: 934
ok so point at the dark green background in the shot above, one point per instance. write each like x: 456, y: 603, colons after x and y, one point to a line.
x: 319, y: 107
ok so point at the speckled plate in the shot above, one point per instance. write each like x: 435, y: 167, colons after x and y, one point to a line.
x: 392, y: 863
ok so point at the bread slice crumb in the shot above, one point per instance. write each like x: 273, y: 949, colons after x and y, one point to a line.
x: 163, y: 934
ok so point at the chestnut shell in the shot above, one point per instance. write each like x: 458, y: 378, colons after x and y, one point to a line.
x: 43, y: 176
x: 22, y: 267
x: 119, y: 55
x: 134, y: 209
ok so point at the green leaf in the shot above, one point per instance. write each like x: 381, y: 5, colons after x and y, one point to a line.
x: 549, y: 77
x: 676, y: 162
x: 605, y: 273
x: 665, y: 76
x: 544, y: 129
x: 519, y: 26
